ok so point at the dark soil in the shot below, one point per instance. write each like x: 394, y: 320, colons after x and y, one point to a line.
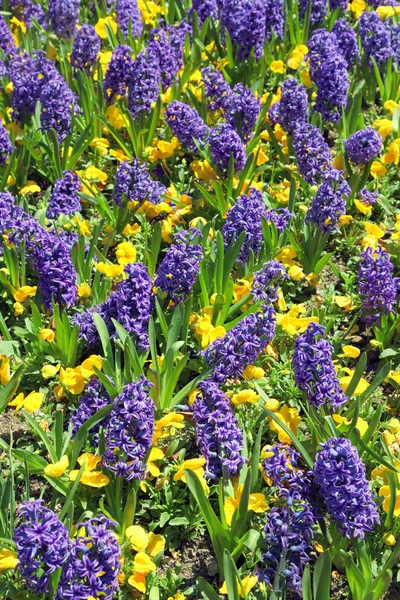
x: 195, y: 559
x: 10, y: 422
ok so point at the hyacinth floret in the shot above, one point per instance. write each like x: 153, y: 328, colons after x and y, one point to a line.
x: 266, y: 281
x: 6, y: 146
x: 58, y: 103
x: 218, y: 434
x: 94, y: 398
x: 328, y: 70
x: 94, y: 562
x: 217, y: 90
x: 319, y: 10
x: 130, y: 430
x: 64, y: 198
x: 86, y: 48
x: 186, y: 124
x: 246, y: 216
x: 314, y: 371
x: 168, y: 58
x: 245, y: 22
x: 340, y: 474
x: 292, y: 109
x: 205, y: 9
x: 144, y: 83
x: 347, y: 41
x: 377, y: 287
x: 338, y: 5
x: 129, y: 17
x: 243, y: 111
x: 35, y: 12
x: 42, y: 544
x: 329, y: 203
x: 226, y: 145
x: 230, y: 355
x: 7, y: 42
x: 134, y: 184
x: 64, y: 16
x: 281, y: 466
x: 363, y: 146
x: 375, y: 38
x: 119, y: 73
x: 180, y: 267
x: 312, y: 153
x: 280, y: 217
x: 368, y: 197
x: 275, y: 18
x: 131, y: 304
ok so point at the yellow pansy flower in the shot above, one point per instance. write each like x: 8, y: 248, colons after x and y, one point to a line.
x: 389, y: 539
x: 393, y: 153
x: 125, y: 253
x: 90, y: 476
x: 195, y: 465
x: 102, y: 24
x: 357, y: 7
x: 248, y: 583
x: 344, y: 302
x: 277, y: 66
x: 286, y: 256
x: 391, y: 105
x: 8, y: 559
x: 150, y: 10
x: 252, y: 372
x: 167, y: 425
x: 345, y: 381
x: 241, y: 289
x: 296, y: 273
x: 384, y: 127
x: 203, y: 170
x: 109, y: 270
x: 102, y: 145
x: 137, y: 537
x: 363, y: 208
x: 385, y: 12
x: 156, y: 544
x: 257, y: 503
x: 155, y: 454
x: 5, y: 373
x: 31, y: 403
x: 385, y: 492
x: 350, y: 352
x: 245, y: 397
x: 290, y: 417
x: 84, y: 290
x: 115, y: 118
x: 132, y: 229
x: 49, y: 371
x: 118, y: 154
x: 73, y: 380
x: 361, y: 424
x: 18, y: 309
x: 24, y: 292
x: 377, y: 169
x: 30, y: 188
x: 58, y: 468
x: 272, y: 404
x: 47, y: 335
x: 291, y: 323
x: 87, y: 367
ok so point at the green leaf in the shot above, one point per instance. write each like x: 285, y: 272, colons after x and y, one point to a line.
x: 322, y: 576
x: 81, y: 435
x: 42, y: 435
x: 359, y: 370
x: 306, y: 584
x: 379, y: 377
x: 71, y: 494
x: 231, y: 577
x: 206, y: 590
x: 104, y: 338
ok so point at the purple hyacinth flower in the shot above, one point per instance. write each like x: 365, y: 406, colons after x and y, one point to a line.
x: 266, y: 281
x: 329, y: 203
x: 226, y: 145
x: 377, y: 287
x: 64, y: 16
x: 64, y: 198
x: 86, y: 48
x: 186, y: 124
x: 133, y: 183
x: 363, y: 146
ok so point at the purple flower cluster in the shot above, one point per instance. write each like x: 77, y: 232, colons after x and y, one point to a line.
x: 226, y: 145
x: 243, y: 110
x: 7, y: 42
x: 319, y: 10
x: 86, y: 48
x: 205, y: 9
x: 94, y: 398
x: 266, y: 281
x: 329, y: 203
x: 245, y: 22
x: 338, y: 4
x: 281, y: 466
x: 246, y: 215
x: 275, y: 18
x: 119, y: 73
x: 375, y: 38
x: 292, y: 109
x: 129, y: 17
x: 180, y: 267
x: 42, y: 544
x: 347, y: 41
x: 230, y: 355
x: 219, y: 436
x: 144, y: 83
x: 93, y: 564
x: 130, y: 431
x: 131, y: 304
x: 328, y: 70
x: 133, y: 183
x: 340, y: 474
x: 64, y: 16
x: 35, y: 12
x: 58, y: 102
x: 312, y: 153
x: 49, y: 256
x: 280, y: 217
x: 64, y: 198
x: 363, y: 146
x: 169, y: 57
x: 217, y: 90
x: 314, y: 371
x: 377, y: 287
x: 6, y: 146
x: 186, y: 124
x: 368, y: 197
